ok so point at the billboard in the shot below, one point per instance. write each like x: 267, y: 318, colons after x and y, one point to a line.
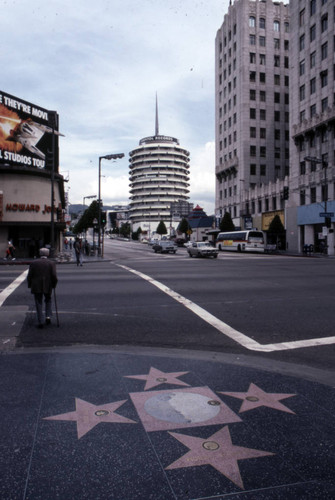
x: 28, y: 134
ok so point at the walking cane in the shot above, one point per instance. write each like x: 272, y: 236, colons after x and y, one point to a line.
x: 56, y: 307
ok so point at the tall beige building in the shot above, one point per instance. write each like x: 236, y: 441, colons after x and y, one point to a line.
x: 311, y: 204
x: 252, y: 58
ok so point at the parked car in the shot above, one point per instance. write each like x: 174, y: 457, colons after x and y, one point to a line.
x: 164, y: 246
x: 202, y: 249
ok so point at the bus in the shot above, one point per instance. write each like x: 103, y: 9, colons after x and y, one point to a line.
x: 241, y: 241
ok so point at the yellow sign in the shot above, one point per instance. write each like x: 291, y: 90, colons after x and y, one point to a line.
x: 268, y: 217
x: 227, y: 243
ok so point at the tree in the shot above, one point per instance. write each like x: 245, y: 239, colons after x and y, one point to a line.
x: 226, y: 223
x: 276, y: 231
x: 86, y: 220
x: 161, y: 228
x: 125, y: 229
x: 184, y: 226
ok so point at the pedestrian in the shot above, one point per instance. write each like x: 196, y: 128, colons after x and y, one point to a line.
x: 66, y: 243
x: 10, y: 251
x: 42, y: 278
x: 78, y: 251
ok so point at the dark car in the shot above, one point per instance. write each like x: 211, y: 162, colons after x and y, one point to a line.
x: 202, y: 249
x: 165, y: 246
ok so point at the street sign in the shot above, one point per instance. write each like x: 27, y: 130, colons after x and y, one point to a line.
x: 326, y: 214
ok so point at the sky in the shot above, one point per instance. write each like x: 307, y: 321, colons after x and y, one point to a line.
x: 99, y: 64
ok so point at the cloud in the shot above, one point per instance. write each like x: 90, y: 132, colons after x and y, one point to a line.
x: 100, y: 64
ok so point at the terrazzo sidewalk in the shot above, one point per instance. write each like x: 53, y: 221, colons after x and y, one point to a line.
x: 113, y: 424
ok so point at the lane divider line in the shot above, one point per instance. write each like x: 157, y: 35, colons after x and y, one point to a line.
x: 224, y: 328
x: 13, y: 286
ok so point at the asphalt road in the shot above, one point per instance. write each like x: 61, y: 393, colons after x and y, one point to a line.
x: 248, y: 305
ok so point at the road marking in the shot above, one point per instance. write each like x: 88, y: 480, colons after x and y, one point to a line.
x: 227, y: 330
x: 10, y: 288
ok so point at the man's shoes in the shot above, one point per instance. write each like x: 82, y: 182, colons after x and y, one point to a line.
x: 47, y: 321
x: 40, y: 325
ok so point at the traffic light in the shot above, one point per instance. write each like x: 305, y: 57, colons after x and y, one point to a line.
x: 103, y: 218
x: 286, y: 193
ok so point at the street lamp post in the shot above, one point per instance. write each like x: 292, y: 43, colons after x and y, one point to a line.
x: 106, y: 157
x: 87, y: 198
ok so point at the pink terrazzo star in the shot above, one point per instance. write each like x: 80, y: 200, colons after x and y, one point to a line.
x: 256, y: 397
x: 88, y: 416
x: 217, y: 451
x: 156, y: 377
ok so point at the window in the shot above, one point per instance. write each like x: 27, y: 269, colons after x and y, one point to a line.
x: 277, y: 153
x: 253, y: 132
x: 252, y: 76
x: 312, y: 7
x: 277, y: 61
x: 324, y: 104
x: 262, y: 41
x: 287, y: 27
x: 302, y: 92
x: 324, y: 23
x: 286, y: 81
x: 263, y: 172
x: 252, y: 169
x: 287, y: 99
x: 302, y: 42
x: 252, y: 39
x: 277, y: 79
x: 276, y: 42
x: 312, y: 59
x: 302, y: 116
x: 262, y: 114
x: 302, y: 168
x: 262, y: 77
x: 252, y: 94
x: 302, y: 17
x: 262, y: 133
x: 302, y: 67
x: 286, y: 62
x: 286, y: 45
x: 313, y: 195
x: 324, y: 135
x: 324, y: 50
x: 252, y: 57
x: 277, y: 116
x: 262, y: 23
x: 313, y: 110
x: 252, y: 22
x: 262, y: 152
x: 276, y: 26
x: 277, y: 134
x: 277, y: 97
x: 262, y: 95
x: 252, y: 113
x: 324, y: 78
x: 262, y: 59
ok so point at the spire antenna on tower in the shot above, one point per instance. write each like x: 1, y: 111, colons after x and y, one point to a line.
x: 156, y: 125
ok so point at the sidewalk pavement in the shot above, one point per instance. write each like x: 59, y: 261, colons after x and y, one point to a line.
x: 140, y: 423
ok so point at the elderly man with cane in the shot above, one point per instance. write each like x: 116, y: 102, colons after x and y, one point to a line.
x: 42, y: 278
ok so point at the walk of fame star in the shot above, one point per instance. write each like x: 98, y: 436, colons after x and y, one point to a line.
x: 156, y: 377
x: 88, y: 415
x: 217, y: 451
x: 256, y: 397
